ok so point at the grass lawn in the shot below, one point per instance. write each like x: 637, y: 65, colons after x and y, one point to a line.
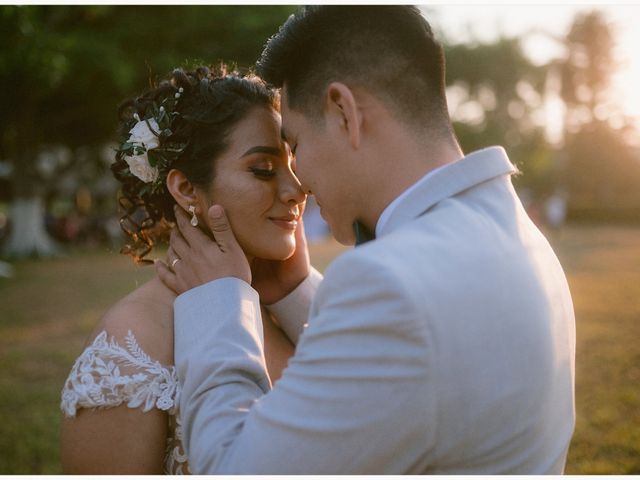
x: 49, y: 307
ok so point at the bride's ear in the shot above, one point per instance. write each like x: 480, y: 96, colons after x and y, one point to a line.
x: 181, y: 189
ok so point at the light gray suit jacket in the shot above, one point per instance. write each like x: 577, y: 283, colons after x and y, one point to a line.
x: 446, y: 345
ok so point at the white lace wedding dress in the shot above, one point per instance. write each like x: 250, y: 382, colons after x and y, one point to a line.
x: 108, y: 374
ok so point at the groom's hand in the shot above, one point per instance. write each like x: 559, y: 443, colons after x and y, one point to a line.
x: 275, y: 279
x: 195, y: 259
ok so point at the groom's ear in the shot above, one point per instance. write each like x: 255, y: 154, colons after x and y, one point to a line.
x: 181, y: 189
x: 343, y: 113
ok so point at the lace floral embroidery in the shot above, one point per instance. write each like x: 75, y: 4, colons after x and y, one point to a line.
x: 176, y: 460
x: 96, y: 380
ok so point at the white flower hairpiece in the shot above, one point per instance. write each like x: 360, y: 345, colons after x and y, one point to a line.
x: 149, y: 149
x: 143, y: 138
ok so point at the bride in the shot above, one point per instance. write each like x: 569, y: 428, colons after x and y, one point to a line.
x: 203, y: 137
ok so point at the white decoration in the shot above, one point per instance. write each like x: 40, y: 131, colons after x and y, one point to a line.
x: 140, y: 167
x: 143, y: 137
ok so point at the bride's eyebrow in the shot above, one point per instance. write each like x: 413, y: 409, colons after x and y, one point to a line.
x: 275, y: 151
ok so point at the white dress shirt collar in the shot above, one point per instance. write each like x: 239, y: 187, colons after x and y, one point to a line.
x: 386, y: 213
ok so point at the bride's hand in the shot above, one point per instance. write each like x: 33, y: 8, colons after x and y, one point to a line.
x: 195, y: 259
x: 275, y: 279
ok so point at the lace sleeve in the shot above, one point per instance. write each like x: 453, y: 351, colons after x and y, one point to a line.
x: 107, y: 375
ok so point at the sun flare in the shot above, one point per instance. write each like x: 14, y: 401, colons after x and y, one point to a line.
x: 626, y: 81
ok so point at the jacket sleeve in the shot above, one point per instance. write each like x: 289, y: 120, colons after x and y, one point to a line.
x: 353, y: 400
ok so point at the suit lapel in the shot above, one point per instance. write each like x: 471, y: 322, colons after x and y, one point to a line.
x: 474, y: 169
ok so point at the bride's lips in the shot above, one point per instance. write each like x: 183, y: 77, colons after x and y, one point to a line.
x: 288, y: 222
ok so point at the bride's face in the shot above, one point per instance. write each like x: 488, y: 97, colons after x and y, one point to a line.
x: 255, y: 183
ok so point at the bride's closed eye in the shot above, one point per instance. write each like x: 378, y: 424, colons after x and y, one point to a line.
x: 263, y: 171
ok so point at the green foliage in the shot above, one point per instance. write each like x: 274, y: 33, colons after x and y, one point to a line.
x: 499, y: 66
x: 68, y: 67
x: 79, y: 62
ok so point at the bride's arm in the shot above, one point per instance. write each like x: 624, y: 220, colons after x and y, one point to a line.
x: 110, y: 432
x: 114, y: 441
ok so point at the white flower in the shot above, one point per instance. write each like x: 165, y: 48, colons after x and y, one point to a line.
x: 139, y: 166
x: 139, y: 377
x: 69, y: 401
x: 164, y: 403
x: 142, y: 136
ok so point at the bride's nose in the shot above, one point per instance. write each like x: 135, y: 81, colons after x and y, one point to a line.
x: 290, y: 191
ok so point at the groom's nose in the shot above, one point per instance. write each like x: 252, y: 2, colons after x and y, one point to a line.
x: 303, y: 185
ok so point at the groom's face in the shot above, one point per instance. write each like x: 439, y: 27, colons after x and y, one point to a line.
x: 322, y: 167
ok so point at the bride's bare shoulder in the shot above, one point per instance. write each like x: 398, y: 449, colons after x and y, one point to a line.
x: 148, y: 313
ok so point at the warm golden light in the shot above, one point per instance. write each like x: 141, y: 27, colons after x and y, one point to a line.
x: 626, y: 81
x: 542, y: 28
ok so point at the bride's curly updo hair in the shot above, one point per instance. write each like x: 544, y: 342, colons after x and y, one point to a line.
x: 183, y: 123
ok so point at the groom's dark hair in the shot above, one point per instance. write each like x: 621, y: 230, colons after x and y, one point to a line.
x: 389, y: 50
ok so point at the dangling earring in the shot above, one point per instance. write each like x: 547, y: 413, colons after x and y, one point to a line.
x: 194, y: 219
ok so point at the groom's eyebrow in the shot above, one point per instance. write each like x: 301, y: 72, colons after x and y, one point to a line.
x: 275, y: 151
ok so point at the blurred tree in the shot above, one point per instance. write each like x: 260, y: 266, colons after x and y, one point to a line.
x: 64, y: 69
x: 586, y: 72
x: 496, y: 91
x: 603, y: 170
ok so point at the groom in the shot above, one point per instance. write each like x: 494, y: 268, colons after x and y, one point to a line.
x: 444, y: 345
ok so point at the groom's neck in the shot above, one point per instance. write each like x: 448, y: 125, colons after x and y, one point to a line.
x: 397, y: 165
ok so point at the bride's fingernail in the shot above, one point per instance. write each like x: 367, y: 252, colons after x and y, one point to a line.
x: 216, y: 211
